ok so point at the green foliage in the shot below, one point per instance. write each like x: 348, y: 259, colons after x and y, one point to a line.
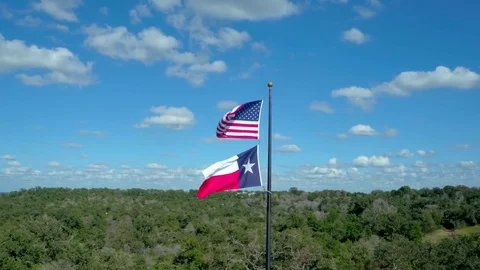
x: 56, y: 228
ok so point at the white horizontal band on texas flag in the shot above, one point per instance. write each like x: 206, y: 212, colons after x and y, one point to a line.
x: 242, y: 122
x: 239, y: 171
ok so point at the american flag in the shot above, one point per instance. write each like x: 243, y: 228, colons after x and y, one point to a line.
x: 242, y: 122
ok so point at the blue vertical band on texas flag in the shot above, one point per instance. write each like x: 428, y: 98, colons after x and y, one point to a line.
x: 237, y: 172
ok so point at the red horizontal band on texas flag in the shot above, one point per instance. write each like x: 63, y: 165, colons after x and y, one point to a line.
x: 239, y: 171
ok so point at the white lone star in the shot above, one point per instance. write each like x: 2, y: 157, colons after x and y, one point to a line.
x: 248, y: 166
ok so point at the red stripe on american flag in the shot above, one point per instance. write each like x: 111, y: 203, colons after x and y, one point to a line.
x: 236, y: 130
x: 236, y: 137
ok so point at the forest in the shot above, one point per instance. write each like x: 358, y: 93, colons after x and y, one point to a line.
x: 59, y: 228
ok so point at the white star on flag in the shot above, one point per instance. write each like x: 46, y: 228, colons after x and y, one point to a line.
x: 248, y: 166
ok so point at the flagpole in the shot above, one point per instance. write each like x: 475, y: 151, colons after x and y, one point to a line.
x: 268, y: 253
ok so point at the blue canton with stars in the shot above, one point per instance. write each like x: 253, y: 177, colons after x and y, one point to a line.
x: 249, y: 111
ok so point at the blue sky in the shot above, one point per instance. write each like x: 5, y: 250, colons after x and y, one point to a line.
x: 367, y: 95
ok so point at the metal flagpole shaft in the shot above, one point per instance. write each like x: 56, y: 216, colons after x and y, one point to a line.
x: 269, y: 180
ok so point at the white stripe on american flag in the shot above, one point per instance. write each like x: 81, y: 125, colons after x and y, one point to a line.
x: 238, y: 123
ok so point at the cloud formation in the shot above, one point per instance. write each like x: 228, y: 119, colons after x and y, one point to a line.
x: 280, y: 137
x: 408, y: 82
x: 362, y: 174
x: 354, y: 35
x: 149, y: 46
x: 63, y: 10
x: 226, y: 104
x: 321, y: 106
x: 175, y: 118
x: 376, y: 161
x: 288, y: 148
x: 37, y: 66
x: 362, y: 130
x: 390, y: 133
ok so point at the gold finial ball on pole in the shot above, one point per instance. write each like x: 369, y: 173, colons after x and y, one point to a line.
x: 270, y: 84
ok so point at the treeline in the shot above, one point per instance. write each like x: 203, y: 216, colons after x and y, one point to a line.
x: 56, y: 228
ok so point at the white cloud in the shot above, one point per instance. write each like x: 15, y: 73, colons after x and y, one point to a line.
x: 14, y: 163
x: 362, y: 97
x: 376, y: 161
x: 307, y: 177
x: 149, y: 46
x: 354, y: 35
x: 29, y: 21
x: 138, y: 12
x: 5, y: 12
x: 468, y: 164
x: 248, y: 73
x: 166, y: 5
x: 423, y: 170
x: 335, y: 1
x: 361, y: 161
x: 96, y: 167
x: 226, y: 104
x: 176, y: 118
x: 17, y: 171
x: 60, y: 27
x: 408, y: 82
x: 280, y: 137
x: 8, y: 157
x: 196, y: 73
x: 364, y: 12
x: 424, y: 153
x: 375, y: 3
x: 53, y: 164
x: 251, y: 10
x: 259, y: 47
x: 399, y: 170
x: 101, y: 175
x: 321, y: 106
x: 288, y: 148
x: 155, y: 166
x: 225, y: 38
x: 420, y: 164
x: 324, y: 172
x: 104, y: 10
x: 60, y: 64
x: 72, y: 145
x: 332, y: 161
x: 463, y: 146
x: 229, y: 38
x: 59, y: 9
x: 96, y: 133
x: 362, y: 130
x: 442, y: 77
x: 405, y: 153
x: 178, y: 20
x: 342, y: 136
x: 390, y: 133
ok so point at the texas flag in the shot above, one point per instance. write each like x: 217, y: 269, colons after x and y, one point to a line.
x: 239, y: 171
